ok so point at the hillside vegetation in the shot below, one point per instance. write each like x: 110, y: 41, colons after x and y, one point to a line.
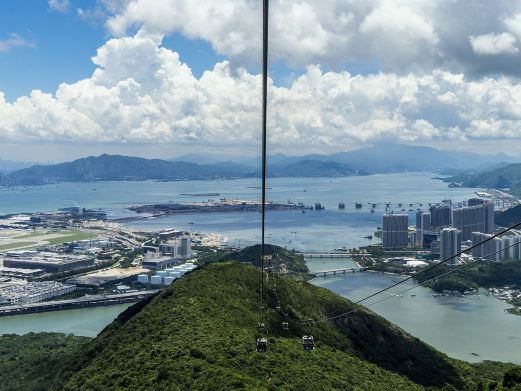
x: 30, y: 362
x: 482, y: 274
x: 505, y: 177
x: 200, y: 334
x: 283, y: 261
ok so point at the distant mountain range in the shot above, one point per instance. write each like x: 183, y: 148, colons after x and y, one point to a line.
x: 377, y: 159
x: 383, y: 158
x: 125, y: 168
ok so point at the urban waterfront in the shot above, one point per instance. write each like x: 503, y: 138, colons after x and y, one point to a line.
x: 458, y: 326
x: 461, y: 327
x: 311, y: 231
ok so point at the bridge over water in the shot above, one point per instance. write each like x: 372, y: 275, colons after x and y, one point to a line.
x: 327, y: 255
x: 334, y: 272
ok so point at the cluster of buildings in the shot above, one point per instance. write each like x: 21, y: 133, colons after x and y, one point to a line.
x: 8, y: 180
x: 507, y: 247
x: 446, y: 230
x: 176, y: 246
x: 34, y: 292
x: 62, y: 217
x: 91, y: 246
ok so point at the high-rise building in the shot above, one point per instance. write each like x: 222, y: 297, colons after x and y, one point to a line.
x: 498, y: 253
x: 481, y: 250
x: 475, y: 201
x: 450, y: 244
x: 440, y: 216
x: 490, y: 226
x: 515, y: 250
x: 468, y: 220
x: 185, y: 249
x: 395, y: 231
x: 423, y: 224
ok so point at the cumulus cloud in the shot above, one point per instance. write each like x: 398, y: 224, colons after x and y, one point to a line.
x: 59, y: 5
x: 142, y: 92
x: 400, y: 35
x: 13, y: 41
x: 492, y: 44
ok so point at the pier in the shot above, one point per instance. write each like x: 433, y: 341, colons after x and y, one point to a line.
x: 82, y: 302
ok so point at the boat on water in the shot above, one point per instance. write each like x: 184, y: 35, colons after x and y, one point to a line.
x: 358, y: 205
x: 368, y: 237
x: 372, y: 210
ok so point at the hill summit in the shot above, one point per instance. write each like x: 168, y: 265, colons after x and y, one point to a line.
x: 200, y: 334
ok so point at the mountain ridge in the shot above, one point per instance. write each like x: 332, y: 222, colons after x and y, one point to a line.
x: 201, y: 335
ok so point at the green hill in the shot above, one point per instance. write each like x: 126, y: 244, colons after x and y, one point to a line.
x: 504, y: 177
x: 283, y: 261
x: 200, y: 334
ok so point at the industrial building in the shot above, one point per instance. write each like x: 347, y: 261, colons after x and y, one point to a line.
x: 47, y: 261
x: 20, y: 273
x: 34, y: 292
x: 158, y: 263
x: 395, y: 231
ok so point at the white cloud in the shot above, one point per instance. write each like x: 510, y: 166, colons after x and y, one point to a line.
x: 59, y: 5
x: 13, y: 41
x: 400, y: 35
x: 142, y: 92
x: 492, y: 44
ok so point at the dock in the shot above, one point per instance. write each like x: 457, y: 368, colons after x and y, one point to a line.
x: 82, y: 302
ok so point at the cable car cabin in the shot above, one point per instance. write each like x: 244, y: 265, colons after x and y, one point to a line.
x: 308, y: 342
x: 277, y: 308
x: 262, y: 345
x: 285, y: 326
x: 261, y: 327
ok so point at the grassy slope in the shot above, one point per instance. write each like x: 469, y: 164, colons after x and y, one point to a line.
x: 200, y: 333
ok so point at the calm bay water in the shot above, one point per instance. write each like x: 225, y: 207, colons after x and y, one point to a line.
x: 456, y: 326
x: 86, y: 321
x: 471, y: 328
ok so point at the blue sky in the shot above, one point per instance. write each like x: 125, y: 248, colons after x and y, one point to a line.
x: 62, y: 45
x: 347, y: 75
